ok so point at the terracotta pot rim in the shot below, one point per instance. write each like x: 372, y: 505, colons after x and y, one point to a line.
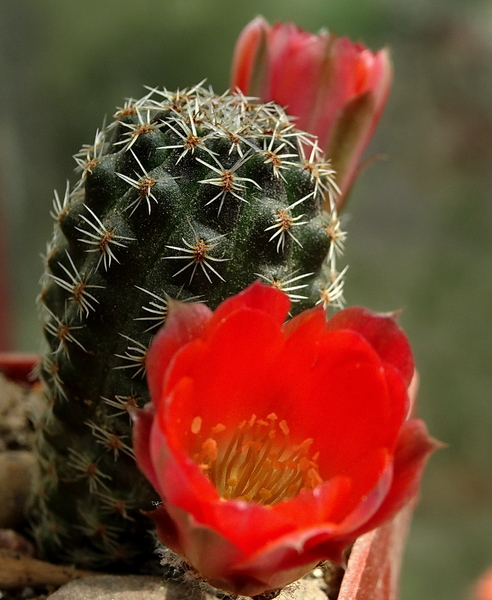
x: 18, y: 366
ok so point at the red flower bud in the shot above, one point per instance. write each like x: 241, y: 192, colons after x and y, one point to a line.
x: 337, y: 89
x: 273, y: 446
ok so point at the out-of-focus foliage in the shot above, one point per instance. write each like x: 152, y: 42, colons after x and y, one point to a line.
x: 420, y: 228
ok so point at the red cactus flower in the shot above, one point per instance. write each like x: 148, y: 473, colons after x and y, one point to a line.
x: 273, y: 446
x: 337, y: 89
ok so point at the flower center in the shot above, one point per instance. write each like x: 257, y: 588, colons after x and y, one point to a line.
x: 257, y: 462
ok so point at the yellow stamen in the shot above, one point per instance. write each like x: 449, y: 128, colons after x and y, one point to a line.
x: 284, y: 427
x: 257, y: 462
x: 196, y: 425
x: 218, y: 428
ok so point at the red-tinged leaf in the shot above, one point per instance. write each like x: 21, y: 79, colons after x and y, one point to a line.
x: 373, y: 569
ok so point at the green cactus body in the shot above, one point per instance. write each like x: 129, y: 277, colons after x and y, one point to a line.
x: 185, y: 195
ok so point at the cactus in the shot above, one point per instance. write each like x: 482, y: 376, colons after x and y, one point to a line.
x: 185, y: 195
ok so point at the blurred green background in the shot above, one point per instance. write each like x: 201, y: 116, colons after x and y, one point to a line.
x: 419, y: 221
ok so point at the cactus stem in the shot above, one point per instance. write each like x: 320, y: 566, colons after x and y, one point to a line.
x: 322, y: 174
x: 77, y: 286
x: 102, y: 239
x: 124, y: 404
x: 110, y: 440
x: 136, y: 130
x: 61, y: 206
x: 127, y: 109
x: 337, y: 238
x: 274, y: 157
x: 227, y: 180
x: 108, y: 534
x: 88, y: 469
x: 332, y: 295
x: 283, y: 224
x: 190, y: 138
x: 90, y: 155
x: 144, y: 186
x: 199, y: 256
x: 52, y: 368
x: 113, y: 505
x: 284, y: 284
x: 157, y: 309
x: 137, y: 359
x: 62, y: 330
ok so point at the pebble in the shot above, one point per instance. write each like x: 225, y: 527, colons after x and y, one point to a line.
x: 12, y: 541
x: 142, y: 587
x: 17, y: 469
x: 123, y: 587
x: 14, y: 429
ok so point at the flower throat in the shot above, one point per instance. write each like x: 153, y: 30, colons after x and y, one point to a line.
x: 257, y: 463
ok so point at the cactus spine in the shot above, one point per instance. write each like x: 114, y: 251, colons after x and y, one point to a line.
x: 184, y: 195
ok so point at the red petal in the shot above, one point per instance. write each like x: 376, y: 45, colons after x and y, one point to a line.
x: 371, y: 480
x: 205, y: 548
x: 142, y: 426
x: 272, y: 568
x: 302, y: 346
x: 298, y: 551
x: 248, y: 526
x: 257, y: 296
x: 317, y: 507
x: 248, y: 60
x: 311, y: 322
x: 382, y: 332
x: 297, y: 61
x: 344, y: 399
x: 214, y: 556
x: 354, y: 71
x: 359, y: 112
x: 166, y: 529
x: 183, y: 363
x: 185, y: 322
x: 233, y: 373
x: 302, y: 359
x: 179, y: 479
x: 414, y: 448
